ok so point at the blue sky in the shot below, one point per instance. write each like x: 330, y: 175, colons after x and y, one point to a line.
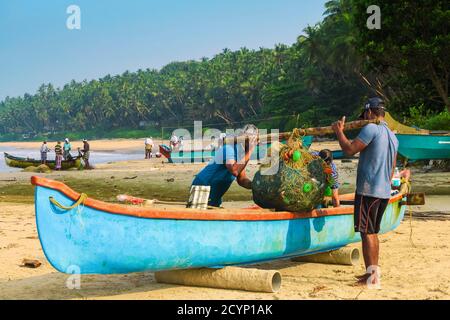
x: 118, y: 35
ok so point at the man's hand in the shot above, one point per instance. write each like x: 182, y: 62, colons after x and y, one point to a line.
x: 244, y: 181
x: 250, y: 143
x: 338, y: 126
x: 253, y: 141
x: 350, y: 148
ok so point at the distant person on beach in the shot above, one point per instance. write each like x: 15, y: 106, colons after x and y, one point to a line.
x: 58, y: 155
x: 85, y: 153
x: 216, y: 143
x: 377, y: 146
x: 222, y: 137
x: 148, y: 147
x: 213, y: 145
x: 181, y: 143
x: 227, y: 165
x: 66, y: 149
x: 44, y: 150
x: 327, y: 156
x: 173, y: 142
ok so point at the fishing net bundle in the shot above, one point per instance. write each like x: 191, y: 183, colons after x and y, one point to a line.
x: 300, y: 183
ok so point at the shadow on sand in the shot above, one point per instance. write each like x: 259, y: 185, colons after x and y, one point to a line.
x: 53, y: 286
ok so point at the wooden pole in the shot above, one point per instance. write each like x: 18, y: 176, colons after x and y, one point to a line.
x: 317, y: 131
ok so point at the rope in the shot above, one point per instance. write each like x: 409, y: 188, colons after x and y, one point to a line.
x: 408, y: 190
x: 410, y: 227
x: 80, y: 200
x: 295, y: 133
x: 298, y: 133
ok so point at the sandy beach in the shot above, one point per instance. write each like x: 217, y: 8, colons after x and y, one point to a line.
x: 415, y: 258
x: 118, y: 145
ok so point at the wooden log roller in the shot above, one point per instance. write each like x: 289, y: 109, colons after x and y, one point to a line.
x: 225, y: 278
x: 343, y: 256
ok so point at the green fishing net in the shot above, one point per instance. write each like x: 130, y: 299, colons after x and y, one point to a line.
x: 299, y: 184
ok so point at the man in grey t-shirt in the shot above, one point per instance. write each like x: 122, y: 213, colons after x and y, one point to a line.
x: 378, y: 147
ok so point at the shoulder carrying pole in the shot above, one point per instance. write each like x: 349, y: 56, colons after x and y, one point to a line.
x: 317, y: 131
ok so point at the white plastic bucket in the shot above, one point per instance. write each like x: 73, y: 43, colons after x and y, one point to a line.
x: 199, y: 196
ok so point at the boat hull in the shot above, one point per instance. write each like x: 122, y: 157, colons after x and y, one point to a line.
x: 424, y: 147
x: 18, y: 162
x: 339, y: 155
x: 124, y: 240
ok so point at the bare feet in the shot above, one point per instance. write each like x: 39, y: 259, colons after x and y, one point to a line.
x: 364, y: 275
x: 363, y: 280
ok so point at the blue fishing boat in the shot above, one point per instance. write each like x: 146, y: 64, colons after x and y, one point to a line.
x: 339, y: 154
x: 198, y: 156
x: 420, y: 144
x: 424, y: 147
x: 95, y: 237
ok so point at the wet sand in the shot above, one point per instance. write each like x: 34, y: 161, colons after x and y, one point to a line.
x: 415, y: 258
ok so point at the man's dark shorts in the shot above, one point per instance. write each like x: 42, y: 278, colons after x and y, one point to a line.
x: 368, y: 213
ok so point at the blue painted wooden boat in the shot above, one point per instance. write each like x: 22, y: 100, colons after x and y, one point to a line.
x: 420, y: 144
x: 424, y: 147
x: 104, y: 238
x: 195, y: 156
x: 339, y: 155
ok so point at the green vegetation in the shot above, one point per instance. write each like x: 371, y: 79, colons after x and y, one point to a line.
x: 328, y: 72
x: 409, y: 55
x: 424, y: 118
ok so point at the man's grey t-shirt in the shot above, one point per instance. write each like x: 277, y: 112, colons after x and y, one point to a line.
x: 376, y: 161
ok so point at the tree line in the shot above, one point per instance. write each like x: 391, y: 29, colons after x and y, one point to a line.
x: 328, y: 72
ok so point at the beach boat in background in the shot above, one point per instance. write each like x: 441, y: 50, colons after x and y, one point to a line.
x: 338, y: 154
x: 198, y: 156
x: 20, y: 162
x: 104, y: 238
x: 424, y: 147
x: 420, y: 144
x: 180, y: 156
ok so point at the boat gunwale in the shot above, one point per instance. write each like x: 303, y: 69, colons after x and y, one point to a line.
x: 246, y: 214
x: 436, y: 133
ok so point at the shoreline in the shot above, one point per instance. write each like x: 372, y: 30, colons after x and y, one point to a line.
x: 131, y: 145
